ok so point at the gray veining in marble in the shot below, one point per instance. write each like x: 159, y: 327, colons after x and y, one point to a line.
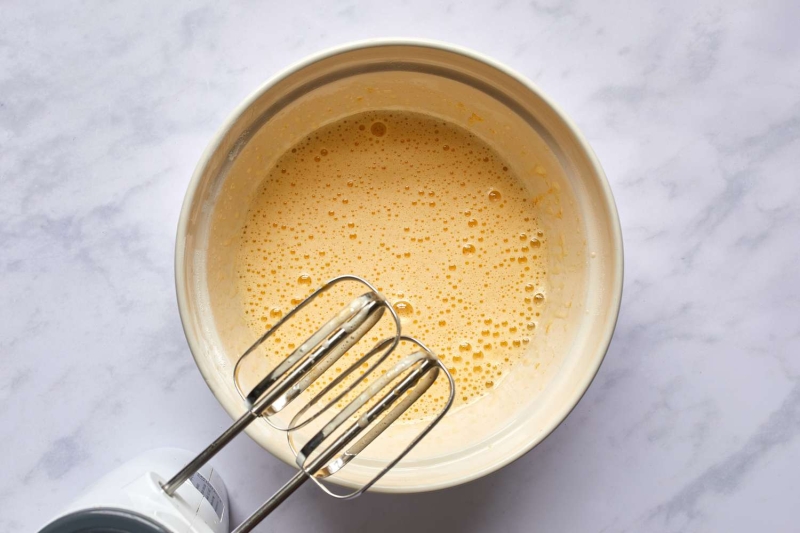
x: 693, y: 107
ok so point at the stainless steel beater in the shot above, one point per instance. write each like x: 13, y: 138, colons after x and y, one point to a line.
x: 369, y: 413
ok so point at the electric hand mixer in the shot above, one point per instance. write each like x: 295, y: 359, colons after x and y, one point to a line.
x: 346, y: 418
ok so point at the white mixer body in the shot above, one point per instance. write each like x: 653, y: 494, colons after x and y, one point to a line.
x: 132, y: 493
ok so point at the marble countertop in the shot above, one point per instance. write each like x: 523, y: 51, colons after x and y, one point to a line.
x: 693, y: 107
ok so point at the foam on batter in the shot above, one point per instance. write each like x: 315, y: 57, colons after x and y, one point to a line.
x: 424, y: 210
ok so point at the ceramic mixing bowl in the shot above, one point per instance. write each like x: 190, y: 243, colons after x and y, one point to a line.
x: 584, y: 264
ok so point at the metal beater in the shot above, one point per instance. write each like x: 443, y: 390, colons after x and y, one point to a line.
x: 369, y: 414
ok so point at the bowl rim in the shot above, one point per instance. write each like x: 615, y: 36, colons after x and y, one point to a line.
x: 615, y: 278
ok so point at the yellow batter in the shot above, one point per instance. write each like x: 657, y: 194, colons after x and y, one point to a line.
x: 425, y: 211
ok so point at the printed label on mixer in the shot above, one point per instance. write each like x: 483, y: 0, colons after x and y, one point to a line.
x: 208, y: 492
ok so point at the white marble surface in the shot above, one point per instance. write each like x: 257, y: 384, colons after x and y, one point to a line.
x: 693, y: 423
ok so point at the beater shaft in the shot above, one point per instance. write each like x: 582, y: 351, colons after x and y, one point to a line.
x: 205, y: 456
x: 270, y: 505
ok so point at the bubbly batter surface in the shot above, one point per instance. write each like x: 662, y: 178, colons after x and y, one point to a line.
x: 424, y: 210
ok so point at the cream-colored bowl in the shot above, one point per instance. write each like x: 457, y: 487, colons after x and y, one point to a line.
x: 584, y: 264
